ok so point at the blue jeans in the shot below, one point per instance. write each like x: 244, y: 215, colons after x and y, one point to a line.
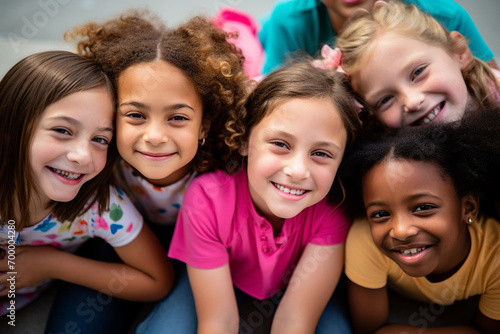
x: 177, y: 313
x: 77, y: 309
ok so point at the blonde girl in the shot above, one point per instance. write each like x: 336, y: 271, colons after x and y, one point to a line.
x: 409, y: 70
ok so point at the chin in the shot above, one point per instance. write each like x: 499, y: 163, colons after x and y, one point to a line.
x: 63, y: 198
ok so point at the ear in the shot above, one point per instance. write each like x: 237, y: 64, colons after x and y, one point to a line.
x: 204, y: 129
x: 244, y: 149
x: 461, y: 49
x: 470, y: 208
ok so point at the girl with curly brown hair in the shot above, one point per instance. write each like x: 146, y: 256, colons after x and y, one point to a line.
x: 174, y: 88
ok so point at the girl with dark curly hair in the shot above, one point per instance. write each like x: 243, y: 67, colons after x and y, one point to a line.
x: 427, y: 229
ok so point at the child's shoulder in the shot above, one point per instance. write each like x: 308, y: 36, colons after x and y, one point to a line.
x: 218, y: 188
x: 487, y: 231
x: 217, y: 179
x: 119, y: 206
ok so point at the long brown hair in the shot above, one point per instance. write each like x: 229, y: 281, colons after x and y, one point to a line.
x: 27, y: 89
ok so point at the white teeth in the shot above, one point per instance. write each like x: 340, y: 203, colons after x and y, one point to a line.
x: 432, y: 114
x: 413, y: 251
x: 68, y: 175
x: 286, y: 190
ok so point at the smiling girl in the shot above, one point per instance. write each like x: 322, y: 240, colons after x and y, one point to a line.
x: 175, y: 87
x: 413, y: 74
x: 426, y: 236
x: 57, y: 153
x: 266, y: 228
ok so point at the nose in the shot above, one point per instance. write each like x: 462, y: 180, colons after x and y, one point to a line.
x: 402, y: 228
x: 297, y: 167
x: 80, y: 152
x: 413, y: 100
x: 156, y: 133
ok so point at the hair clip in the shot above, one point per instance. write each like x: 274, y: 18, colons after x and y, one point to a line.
x: 332, y: 59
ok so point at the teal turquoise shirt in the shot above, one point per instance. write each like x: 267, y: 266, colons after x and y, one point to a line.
x: 296, y: 26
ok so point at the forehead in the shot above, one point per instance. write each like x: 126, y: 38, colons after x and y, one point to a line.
x: 405, y: 176
x: 152, y: 74
x: 312, y: 110
x: 305, y: 120
x: 89, y: 107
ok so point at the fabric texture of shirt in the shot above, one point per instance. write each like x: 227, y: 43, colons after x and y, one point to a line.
x: 479, y: 275
x: 305, y: 25
x: 218, y: 225
x: 159, y: 205
x: 118, y: 226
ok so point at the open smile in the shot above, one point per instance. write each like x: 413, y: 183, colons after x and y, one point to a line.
x: 412, y: 251
x: 431, y: 115
x: 291, y: 191
x: 66, y: 174
x: 409, y: 256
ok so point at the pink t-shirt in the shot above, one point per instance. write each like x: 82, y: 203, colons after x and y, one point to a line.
x: 218, y: 224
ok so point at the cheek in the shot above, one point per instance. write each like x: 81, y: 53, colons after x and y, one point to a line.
x: 378, y: 233
x: 325, y: 177
x: 100, y: 159
x: 125, y: 135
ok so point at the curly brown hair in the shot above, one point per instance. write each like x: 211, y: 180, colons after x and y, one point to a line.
x: 197, y: 47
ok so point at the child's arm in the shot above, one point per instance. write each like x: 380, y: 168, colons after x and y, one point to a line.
x: 310, y: 288
x: 146, y: 274
x: 216, y: 306
x: 369, y: 309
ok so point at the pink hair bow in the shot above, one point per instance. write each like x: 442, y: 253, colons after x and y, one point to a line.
x: 332, y: 59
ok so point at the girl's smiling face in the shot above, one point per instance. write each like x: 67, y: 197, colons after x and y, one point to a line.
x: 293, y: 155
x: 159, y: 121
x: 408, y: 82
x: 417, y: 218
x: 70, y: 144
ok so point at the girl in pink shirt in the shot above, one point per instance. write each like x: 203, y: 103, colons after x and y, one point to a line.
x: 264, y: 231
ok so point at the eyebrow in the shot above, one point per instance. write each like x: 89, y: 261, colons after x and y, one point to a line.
x: 77, y: 123
x: 140, y: 105
x: 320, y: 144
x: 411, y: 198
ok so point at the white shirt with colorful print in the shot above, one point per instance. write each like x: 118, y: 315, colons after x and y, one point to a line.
x: 118, y: 226
x: 159, y: 205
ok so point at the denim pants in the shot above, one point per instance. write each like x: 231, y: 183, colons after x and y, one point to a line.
x: 176, y: 314
x: 78, y: 309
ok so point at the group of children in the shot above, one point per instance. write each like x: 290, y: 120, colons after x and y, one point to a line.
x: 155, y: 141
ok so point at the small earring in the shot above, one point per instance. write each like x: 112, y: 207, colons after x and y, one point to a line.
x: 201, y: 142
x: 470, y: 220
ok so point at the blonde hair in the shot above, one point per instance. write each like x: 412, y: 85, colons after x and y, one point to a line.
x: 359, y: 36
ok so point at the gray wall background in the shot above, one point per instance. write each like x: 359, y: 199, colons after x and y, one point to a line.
x: 28, y: 26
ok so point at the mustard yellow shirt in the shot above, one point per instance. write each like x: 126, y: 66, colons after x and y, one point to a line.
x: 479, y: 275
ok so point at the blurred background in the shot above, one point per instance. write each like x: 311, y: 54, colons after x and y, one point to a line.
x: 29, y: 26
